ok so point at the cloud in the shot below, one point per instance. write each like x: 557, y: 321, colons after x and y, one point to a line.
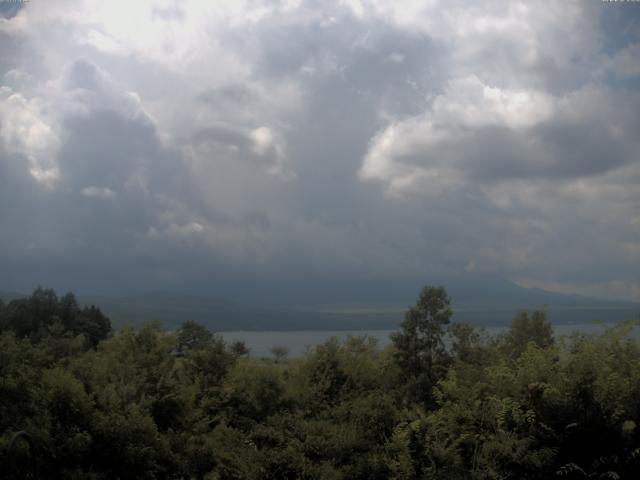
x: 98, y: 192
x: 474, y: 132
x: 625, y: 62
x: 197, y: 143
x: 26, y: 130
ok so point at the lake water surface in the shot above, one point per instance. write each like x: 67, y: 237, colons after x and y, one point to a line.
x: 298, y: 342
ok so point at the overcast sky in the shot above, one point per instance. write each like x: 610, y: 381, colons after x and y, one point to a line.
x: 266, y: 148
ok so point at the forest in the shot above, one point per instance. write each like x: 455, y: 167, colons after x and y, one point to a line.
x: 79, y: 400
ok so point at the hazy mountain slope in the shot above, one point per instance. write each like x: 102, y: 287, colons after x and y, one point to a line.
x: 477, y: 300
x: 219, y: 315
x: 6, y: 296
x: 493, y: 302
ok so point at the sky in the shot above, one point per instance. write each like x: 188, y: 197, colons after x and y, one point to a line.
x: 290, y: 150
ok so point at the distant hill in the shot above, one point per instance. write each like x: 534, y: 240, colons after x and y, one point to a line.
x: 8, y: 296
x: 490, y: 303
x: 482, y: 302
x: 220, y: 315
x: 495, y: 300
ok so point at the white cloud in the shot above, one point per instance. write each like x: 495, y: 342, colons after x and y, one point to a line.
x: 468, y: 102
x: 26, y: 130
x: 396, y: 57
x: 104, y: 43
x: 98, y: 192
x: 411, y: 152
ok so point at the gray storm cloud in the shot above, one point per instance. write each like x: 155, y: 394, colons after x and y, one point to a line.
x: 162, y: 145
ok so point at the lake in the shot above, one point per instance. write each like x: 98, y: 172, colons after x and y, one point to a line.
x: 260, y: 342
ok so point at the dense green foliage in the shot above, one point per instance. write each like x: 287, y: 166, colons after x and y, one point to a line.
x: 444, y: 401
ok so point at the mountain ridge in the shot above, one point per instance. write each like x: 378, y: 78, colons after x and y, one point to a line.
x: 490, y: 303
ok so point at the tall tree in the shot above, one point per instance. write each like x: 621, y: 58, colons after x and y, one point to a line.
x: 193, y: 336
x: 527, y: 328
x: 420, y: 350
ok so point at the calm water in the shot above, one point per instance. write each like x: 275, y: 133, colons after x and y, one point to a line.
x: 298, y: 341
